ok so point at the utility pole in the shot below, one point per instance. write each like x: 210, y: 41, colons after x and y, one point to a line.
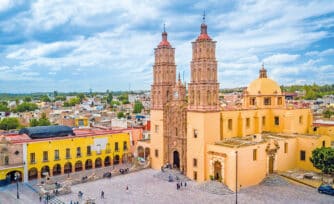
x: 236, y: 177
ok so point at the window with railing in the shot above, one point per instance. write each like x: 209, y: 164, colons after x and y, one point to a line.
x: 68, y: 153
x: 116, y: 147
x: 125, y: 146
x: 78, y: 152
x: 89, y: 150
x: 45, y: 156
x: 56, y: 154
x: 32, y: 158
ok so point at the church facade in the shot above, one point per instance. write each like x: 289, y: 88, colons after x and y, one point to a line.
x: 194, y: 133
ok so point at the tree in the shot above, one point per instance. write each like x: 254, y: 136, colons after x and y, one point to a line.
x: 27, y: 99
x: 323, y: 159
x: 328, y: 113
x: 45, y: 98
x: 3, y: 107
x: 43, y: 121
x: 138, y: 107
x: 26, y: 106
x: 9, y: 123
x: 81, y: 97
x: 109, y: 98
x: 120, y: 114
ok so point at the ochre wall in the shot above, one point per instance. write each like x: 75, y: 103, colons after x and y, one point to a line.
x: 157, y: 138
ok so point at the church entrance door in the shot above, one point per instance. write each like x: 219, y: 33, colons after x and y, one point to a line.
x: 271, y: 164
x: 217, y: 171
x: 176, y: 159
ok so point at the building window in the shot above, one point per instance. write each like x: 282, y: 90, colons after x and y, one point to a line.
x: 68, y: 153
x: 156, y: 128
x: 125, y: 146
x: 89, y: 150
x: 247, y: 122
x: 195, y: 175
x: 56, y: 154
x: 45, y: 156
x: 267, y: 101
x: 254, y: 154
x: 6, y: 160
x: 195, y: 162
x: 302, y: 155
x: 175, y: 131
x: 279, y: 101
x: 108, y: 148
x: 98, y: 149
x: 195, y: 133
x: 156, y: 153
x: 229, y: 125
x: 276, y: 120
x: 252, y: 101
x: 286, y: 147
x: 116, y: 146
x: 78, y: 152
x: 323, y: 143
x: 32, y: 158
x: 300, y: 119
x: 263, y: 120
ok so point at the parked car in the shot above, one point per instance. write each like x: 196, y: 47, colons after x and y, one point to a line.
x: 326, y: 189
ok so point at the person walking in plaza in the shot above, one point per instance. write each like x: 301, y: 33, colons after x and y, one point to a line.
x: 185, y: 184
x: 102, y: 194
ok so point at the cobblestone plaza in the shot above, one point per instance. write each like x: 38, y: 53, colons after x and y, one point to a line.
x: 147, y: 186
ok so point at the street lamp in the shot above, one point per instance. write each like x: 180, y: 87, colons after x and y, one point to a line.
x: 236, y: 177
x: 17, y: 177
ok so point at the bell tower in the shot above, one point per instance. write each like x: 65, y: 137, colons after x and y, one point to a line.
x: 203, y: 115
x: 164, y: 74
x: 203, y: 87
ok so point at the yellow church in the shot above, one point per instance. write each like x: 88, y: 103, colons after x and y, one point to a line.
x: 207, y: 141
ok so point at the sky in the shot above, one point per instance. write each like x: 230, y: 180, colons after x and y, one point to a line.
x: 71, y: 45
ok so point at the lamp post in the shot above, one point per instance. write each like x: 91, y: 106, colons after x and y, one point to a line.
x: 17, y: 177
x: 236, y: 177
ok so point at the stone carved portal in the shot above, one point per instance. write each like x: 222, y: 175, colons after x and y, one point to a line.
x: 216, y: 168
x: 271, y: 149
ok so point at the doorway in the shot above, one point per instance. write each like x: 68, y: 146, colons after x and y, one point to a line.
x: 271, y: 164
x: 176, y: 159
x: 217, y: 171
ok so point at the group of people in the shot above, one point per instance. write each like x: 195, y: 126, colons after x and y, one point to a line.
x: 180, y: 184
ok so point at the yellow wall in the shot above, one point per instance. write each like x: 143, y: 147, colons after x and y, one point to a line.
x: 207, y: 126
x: 62, y: 144
x: 157, y: 138
x: 81, y: 120
x: 4, y: 172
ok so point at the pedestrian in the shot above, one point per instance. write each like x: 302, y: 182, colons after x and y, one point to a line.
x: 102, y: 195
x: 127, y: 188
x: 185, y: 184
x: 181, y: 183
x: 40, y: 198
x: 71, y: 202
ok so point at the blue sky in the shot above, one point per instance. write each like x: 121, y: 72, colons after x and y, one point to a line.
x: 73, y: 45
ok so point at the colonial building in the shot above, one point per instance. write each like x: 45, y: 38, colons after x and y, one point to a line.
x: 207, y: 141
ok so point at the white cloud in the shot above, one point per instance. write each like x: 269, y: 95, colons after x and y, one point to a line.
x: 280, y: 59
x: 321, y: 53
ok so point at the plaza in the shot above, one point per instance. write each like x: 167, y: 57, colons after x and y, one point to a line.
x: 146, y: 186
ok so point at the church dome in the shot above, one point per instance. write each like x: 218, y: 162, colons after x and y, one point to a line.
x: 263, y: 85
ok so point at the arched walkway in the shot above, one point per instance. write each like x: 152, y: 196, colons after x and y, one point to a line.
x: 78, y: 166
x: 88, y: 164
x: 147, y: 152
x: 68, y: 168
x: 217, y: 170
x: 44, y: 170
x: 107, y: 161
x: 98, y: 163
x: 140, y: 151
x: 10, y: 177
x: 56, y: 169
x: 176, y: 159
x: 32, y: 173
x: 116, y: 159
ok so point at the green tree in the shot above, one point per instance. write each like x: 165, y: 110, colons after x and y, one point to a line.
x: 120, y: 115
x: 60, y: 98
x: 109, y: 98
x: 3, y: 107
x: 9, y: 123
x: 45, y: 98
x: 328, y: 113
x: 138, y: 107
x: 33, y: 122
x: 43, y: 121
x: 26, y: 106
x: 323, y: 159
x: 27, y: 99
x: 81, y: 97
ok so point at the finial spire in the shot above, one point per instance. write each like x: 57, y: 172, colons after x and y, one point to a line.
x: 263, y: 72
x: 179, y: 77
x: 164, y: 27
